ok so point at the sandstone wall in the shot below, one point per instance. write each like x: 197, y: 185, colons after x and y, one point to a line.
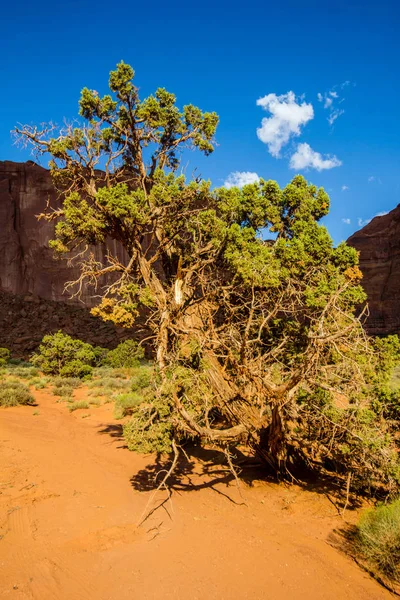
x: 379, y: 247
x: 27, y: 264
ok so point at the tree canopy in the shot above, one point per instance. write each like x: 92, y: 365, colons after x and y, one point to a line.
x: 256, y: 341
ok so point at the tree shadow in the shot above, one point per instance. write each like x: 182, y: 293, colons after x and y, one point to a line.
x: 201, y: 468
x: 114, y: 430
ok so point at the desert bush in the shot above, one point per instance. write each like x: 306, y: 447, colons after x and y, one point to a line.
x: 95, y: 401
x: 72, y: 382
x: 126, y: 355
x: 13, y: 392
x: 60, y: 354
x: 101, y: 355
x: 25, y: 371
x: 124, y: 403
x: 39, y: 383
x: 64, y: 391
x: 78, y: 405
x: 142, y: 377
x: 109, y: 383
x: 5, y: 356
x: 76, y: 368
x: 378, y: 538
x: 107, y: 371
x: 19, y: 362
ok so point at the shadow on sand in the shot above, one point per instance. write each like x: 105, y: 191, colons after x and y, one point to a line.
x: 201, y: 468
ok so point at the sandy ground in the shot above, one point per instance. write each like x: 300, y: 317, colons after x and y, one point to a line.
x: 71, y: 497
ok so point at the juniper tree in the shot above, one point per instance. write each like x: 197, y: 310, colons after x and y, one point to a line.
x: 256, y: 341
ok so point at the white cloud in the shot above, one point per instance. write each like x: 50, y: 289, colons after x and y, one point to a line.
x: 372, y: 178
x: 330, y: 98
x: 240, y: 178
x: 305, y: 157
x: 347, y: 221
x: 287, y: 118
x: 335, y: 114
x: 345, y: 188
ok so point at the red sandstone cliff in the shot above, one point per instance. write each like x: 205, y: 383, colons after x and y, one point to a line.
x: 379, y: 247
x: 27, y: 264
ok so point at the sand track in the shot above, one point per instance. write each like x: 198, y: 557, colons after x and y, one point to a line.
x: 69, y: 514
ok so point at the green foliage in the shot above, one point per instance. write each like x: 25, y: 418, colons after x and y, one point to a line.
x: 65, y: 391
x: 127, y: 354
x: 13, y: 393
x: 5, y: 356
x: 24, y: 371
x: 39, y: 383
x: 124, y: 403
x: 78, y: 405
x: 378, y: 539
x: 60, y: 354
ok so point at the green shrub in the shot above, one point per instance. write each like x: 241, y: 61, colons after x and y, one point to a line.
x: 95, y: 401
x: 76, y: 368
x: 39, y: 383
x: 5, y: 356
x: 110, y: 383
x: 126, y: 355
x: 142, y: 377
x: 101, y: 355
x: 77, y: 405
x: 378, y: 538
x: 60, y: 354
x: 107, y: 371
x: 25, y: 371
x: 72, y: 382
x: 65, y: 391
x: 13, y: 392
x: 124, y: 403
x: 19, y: 362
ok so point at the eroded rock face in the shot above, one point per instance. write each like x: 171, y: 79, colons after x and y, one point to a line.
x: 379, y: 247
x: 27, y: 264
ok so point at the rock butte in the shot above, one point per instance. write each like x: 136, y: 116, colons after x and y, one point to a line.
x: 379, y: 247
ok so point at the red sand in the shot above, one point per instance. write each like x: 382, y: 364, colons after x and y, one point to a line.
x: 69, y: 514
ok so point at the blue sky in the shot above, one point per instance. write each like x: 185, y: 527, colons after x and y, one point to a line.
x: 225, y: 57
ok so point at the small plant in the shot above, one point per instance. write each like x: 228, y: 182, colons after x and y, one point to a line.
x: 72, y: 382
x: 5, y: 356
x: 95, y: 401
x: 142, y: 377
x: 78, y: 405
x: 378, y: 539
x: 109, y: 383
x: 13, y: 393
x: 64, y: 391
x: 39, y: 383
x: 124, y: 403
x: 128, y: 354
x: 23, y: 372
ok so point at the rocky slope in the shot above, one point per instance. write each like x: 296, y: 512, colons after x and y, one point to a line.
x: 379, y: 247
